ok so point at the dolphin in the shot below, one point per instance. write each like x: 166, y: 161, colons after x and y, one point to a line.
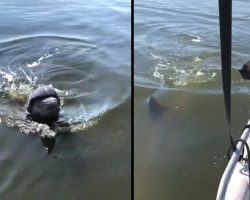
x: 43, y: 106
x: 156, y: 111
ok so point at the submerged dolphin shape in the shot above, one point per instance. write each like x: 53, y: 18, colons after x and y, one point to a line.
x: 156, y: 111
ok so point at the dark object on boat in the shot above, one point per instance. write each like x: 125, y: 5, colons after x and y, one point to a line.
x: 245, y: 71
x: 156, y: 111
x: 44, y: 105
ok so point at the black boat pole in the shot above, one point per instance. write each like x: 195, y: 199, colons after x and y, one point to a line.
x: 225, y: 18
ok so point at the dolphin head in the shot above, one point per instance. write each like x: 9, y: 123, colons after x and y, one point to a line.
x: 45, y: 110
x: 44, y: 105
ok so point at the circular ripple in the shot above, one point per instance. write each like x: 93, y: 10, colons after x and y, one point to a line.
x: 88, y: 88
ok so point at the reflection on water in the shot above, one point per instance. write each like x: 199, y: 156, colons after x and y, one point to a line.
x: 177, y: 61
x: 72, y: 46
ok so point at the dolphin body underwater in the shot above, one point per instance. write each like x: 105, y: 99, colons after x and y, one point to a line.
x: 43, y: 107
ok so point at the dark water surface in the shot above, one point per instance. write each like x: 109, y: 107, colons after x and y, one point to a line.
x: 177, y: 60
x: 82, y: 48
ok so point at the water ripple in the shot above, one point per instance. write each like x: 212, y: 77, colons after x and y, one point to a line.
x: 73, y: 66
x: 177, y: 43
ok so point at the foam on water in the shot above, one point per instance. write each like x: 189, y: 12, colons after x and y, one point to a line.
x: 168, y: 72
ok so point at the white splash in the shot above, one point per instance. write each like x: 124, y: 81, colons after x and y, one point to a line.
x: 167, y: 72
x: 157, y: 74
x: 7, y: 76
x: 213, y: 74
x: 199, y: 73
x: 196, y: 38
x: 155, y: 57
x: 28, y: 78
x: 39, y: 61
x: 197, y: 59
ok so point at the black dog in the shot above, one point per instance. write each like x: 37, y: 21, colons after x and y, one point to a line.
x: 245, y: 71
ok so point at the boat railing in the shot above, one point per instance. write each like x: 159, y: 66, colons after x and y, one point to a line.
x: 223, y: 192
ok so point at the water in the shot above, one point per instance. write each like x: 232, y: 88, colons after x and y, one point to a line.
x: 177, y: 60
x: 72, y: 46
